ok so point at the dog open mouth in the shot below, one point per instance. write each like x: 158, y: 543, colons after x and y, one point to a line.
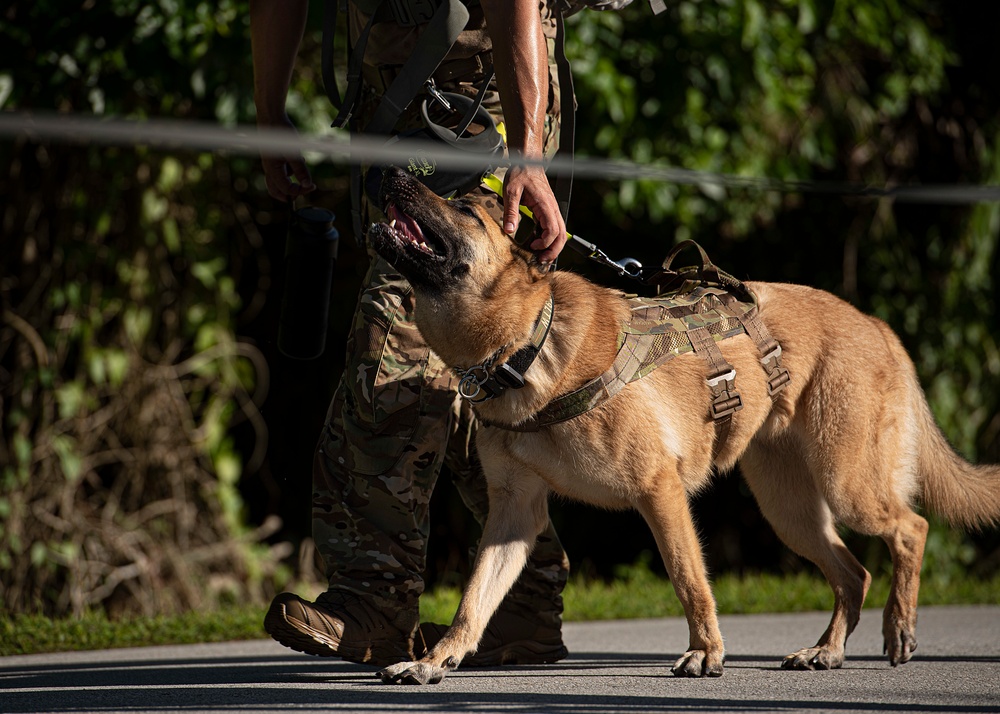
x: 409, y: 235
x: 423, y: 236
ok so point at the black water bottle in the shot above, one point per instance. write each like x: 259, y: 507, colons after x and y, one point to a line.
x: 310, y: 256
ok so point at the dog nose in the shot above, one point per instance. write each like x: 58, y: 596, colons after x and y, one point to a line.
x: 378, y: 180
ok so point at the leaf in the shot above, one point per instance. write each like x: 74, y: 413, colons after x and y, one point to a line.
x: 69, y: 398
x: 38, y: 554
x: 117, y: 363
x: 228, y: 467
x: 69, y: 459
x: 22, y: 448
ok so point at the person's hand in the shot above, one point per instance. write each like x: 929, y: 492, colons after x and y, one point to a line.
x: 287, y: 177
x: 528, y: 186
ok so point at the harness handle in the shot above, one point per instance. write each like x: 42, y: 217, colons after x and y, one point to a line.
x: 667, y: 280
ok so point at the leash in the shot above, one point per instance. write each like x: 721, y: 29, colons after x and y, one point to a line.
x: 626, y: 267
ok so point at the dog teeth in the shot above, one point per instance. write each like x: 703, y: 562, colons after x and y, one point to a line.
x: 392, y: 223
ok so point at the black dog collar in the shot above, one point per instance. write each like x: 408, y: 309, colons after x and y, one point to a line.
x: 485, y: 381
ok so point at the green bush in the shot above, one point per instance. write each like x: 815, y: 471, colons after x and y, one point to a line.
x: 122, y: 375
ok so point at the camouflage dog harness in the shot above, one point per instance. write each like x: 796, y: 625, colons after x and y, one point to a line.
x: 698, y: 307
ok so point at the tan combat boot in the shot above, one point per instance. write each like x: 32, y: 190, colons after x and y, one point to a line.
x: 341, y: 624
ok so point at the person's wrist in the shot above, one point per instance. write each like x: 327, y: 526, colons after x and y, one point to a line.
x: 270, y: 114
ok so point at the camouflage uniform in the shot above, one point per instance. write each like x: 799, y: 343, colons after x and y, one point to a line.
x: 396, y: 417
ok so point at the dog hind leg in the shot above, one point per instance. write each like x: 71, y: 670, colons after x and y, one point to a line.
x: 906, y: 535
x: 795, y: 507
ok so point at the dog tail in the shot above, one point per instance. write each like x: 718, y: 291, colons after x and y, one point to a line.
x: 967, y: 495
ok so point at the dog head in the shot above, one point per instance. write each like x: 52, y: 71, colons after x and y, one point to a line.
x: 442, y: 246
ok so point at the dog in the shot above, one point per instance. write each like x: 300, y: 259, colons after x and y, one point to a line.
x: 850, y: 439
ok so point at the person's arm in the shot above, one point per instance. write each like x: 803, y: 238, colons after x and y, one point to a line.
x: 276, y: 28
x: 520, y: 59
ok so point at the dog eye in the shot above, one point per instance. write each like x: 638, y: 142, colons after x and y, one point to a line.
x: 468, y: 210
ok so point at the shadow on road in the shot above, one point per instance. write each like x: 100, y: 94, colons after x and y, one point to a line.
x: 279, y: 683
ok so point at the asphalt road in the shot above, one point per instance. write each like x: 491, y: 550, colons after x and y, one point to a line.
x: 620, y: 666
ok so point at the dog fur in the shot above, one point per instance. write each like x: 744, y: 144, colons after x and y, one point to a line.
x: 849, y: 441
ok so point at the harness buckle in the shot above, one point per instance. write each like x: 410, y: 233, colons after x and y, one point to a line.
x: 726, y: 400
x: 777, y: 376
x: 778, y: 381
x: 722, y: 377
x: 773, y: 354
x: 726, y: 404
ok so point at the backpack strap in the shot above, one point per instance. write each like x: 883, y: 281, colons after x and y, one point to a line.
x: 330, y: 11
x: 562, y: 187
x: 443, y: 28
x: 432, y: 47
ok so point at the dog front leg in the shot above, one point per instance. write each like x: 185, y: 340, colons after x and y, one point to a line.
x: 667, y: 512
x: 518, y: 514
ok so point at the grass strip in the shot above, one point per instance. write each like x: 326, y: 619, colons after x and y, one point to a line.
x: 640, y: 593
x: 636, y: 593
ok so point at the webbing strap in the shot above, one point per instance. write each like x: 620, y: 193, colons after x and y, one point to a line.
x: 563, y: 186
x: 330, y: 12
x: 767, y: 346
x: 488, y: 74
x: 432, y: 46
x: 489, y: 380
x: 721, y: 382
x: 355, y: 64
x: 448, y: 21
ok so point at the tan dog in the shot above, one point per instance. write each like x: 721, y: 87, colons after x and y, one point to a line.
x: 850, y: 440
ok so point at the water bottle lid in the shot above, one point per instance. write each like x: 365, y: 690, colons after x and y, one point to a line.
x: 315, y: 220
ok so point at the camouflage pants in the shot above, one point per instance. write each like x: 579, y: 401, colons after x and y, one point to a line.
x: 395, y: 419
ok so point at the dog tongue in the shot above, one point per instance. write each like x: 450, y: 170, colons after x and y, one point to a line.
x: 406, y: 225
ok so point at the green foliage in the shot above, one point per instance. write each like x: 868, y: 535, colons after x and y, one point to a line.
x: 786, y: 90
x: 130, y: 58
x: 122, y: 375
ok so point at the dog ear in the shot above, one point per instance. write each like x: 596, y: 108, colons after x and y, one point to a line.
x: 537, y: 270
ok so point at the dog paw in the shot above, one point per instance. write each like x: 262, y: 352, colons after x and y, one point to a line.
x: 699, y: 663
x: 411, y: 673
x: 814, y: 658
x: 899, y: 645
